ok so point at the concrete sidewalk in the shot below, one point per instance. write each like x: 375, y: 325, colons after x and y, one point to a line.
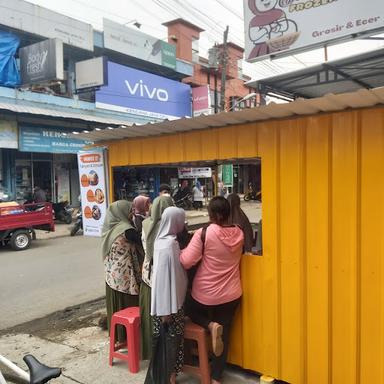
x: 72, y: 340
x: 83, y: 356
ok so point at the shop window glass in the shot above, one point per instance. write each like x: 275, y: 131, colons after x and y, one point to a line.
x: 242, y: 177
x: 240, y: 68
x: 131, y: 182
x: 195, y: 50
x: 23, y: 180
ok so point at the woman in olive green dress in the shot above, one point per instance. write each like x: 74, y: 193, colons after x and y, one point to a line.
x: 123, y: 256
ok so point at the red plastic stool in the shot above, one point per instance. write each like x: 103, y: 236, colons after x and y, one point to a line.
x: 130, y: 319
x: 194, y: 332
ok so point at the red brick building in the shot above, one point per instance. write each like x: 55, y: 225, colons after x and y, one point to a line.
x: 185, y: 36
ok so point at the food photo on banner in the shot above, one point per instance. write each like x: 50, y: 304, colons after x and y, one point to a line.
x: 93, y: 190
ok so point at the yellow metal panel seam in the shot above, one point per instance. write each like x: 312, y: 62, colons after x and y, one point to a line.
x: 358, y: 250
x: 330, y: 254
x: 371, y: 249
x: 269, y: 317
x: 278, y: 248
x: 344, y: 247
x: 303, y: 247
x: 316, y: 249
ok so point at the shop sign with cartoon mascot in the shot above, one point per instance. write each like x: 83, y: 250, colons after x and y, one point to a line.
x: 273, y: 26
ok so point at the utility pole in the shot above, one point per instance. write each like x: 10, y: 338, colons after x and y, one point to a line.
x: 213, y: 59
x: 224, y: 60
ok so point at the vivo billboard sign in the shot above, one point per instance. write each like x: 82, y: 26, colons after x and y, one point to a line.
x: 137, y: 92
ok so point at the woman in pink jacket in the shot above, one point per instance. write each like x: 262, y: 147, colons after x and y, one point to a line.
x: 216, y: 289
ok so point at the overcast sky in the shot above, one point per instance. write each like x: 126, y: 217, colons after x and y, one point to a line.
x: 211, y: 15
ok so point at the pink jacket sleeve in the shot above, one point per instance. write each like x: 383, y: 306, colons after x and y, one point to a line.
x: 191, y: 255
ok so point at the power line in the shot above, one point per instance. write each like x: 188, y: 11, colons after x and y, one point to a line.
x: 213, y: 24
x: 193, y: 15
x: 212, y: 34
x: 150, y: 26
x: 230, y: 9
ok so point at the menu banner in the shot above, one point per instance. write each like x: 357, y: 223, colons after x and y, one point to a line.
x: 194, y: 173
x: 93, y: 190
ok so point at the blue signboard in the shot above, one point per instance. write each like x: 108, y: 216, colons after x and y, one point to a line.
x: 48, y: 140
x: 133, y: 91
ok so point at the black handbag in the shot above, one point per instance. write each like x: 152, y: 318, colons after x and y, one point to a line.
x: 192, y: 271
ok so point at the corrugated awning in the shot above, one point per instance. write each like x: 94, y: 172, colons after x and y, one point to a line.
x: 58, y: 113
x: 299, y: 107
x: 363, y: 71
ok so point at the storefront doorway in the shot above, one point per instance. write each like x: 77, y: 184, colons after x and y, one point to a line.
x: 56, y: 174
x: 42, y: 176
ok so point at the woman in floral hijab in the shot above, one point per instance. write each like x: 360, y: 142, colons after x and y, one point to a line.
x: 123, y: 256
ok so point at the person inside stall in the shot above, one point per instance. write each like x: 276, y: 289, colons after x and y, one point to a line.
x: 183, y: 191
x: 221, y: 190
x: 169, y: 287
x: 216, y: 287
x: 164, y: 189
x: 141, y: 206
x: 198, y: 195
x: 237, y: 216
x: 123, y: 255
x: 150, y: 230
x: 39, y: 195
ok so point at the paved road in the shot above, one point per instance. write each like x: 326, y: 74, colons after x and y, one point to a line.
x: 50, y: 276
x: 59, y: 272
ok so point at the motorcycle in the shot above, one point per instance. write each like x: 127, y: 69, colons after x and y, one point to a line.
x: 252, y: 195
x: 62, y: 212
x: 183, y: 200
x: 78, y: 224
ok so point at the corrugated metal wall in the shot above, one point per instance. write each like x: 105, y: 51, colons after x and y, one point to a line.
x: 313, y: 306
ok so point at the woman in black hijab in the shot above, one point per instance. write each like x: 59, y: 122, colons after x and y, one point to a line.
x: 237, y: 216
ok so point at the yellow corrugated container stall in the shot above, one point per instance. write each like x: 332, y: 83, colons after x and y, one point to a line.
x: 313, y: 304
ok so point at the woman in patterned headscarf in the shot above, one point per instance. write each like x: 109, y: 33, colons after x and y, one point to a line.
x: 141, y: 206
x: 123, y: 256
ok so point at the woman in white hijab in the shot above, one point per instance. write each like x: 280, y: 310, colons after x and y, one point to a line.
x: 169, y: 283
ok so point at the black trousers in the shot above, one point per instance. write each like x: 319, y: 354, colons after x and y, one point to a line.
x: 223, y: 314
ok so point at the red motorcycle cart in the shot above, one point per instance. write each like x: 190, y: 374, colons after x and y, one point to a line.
x: 19, y: 222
